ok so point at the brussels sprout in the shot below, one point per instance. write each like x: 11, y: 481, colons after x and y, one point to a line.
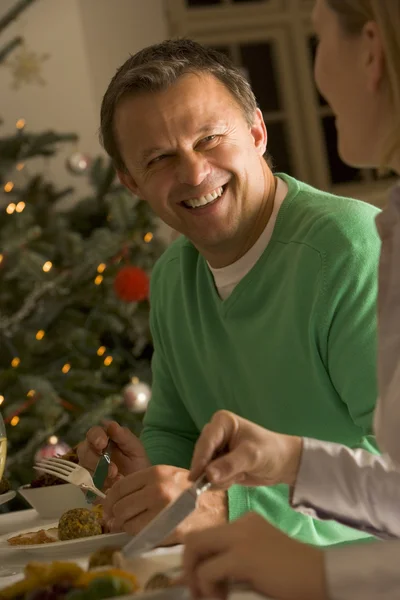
x: 76, y: 595
x: 107, y: 587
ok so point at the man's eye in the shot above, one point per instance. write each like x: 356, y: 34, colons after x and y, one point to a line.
x: 209, y: 138
x: 157, y: 159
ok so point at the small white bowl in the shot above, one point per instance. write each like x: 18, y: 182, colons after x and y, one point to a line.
x: 52, y: 501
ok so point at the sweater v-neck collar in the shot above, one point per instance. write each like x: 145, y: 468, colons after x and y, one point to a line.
x: 226, y: 304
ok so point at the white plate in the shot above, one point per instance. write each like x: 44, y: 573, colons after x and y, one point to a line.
x: 6, y: 497
x: 68, y: 549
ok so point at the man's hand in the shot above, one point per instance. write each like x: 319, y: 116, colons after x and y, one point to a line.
x: 252, y: 455
x: 128, y: 455
x: 252, y: 551
x: 137, y: 498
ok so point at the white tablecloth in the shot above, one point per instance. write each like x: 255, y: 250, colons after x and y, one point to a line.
x: 12, y: 561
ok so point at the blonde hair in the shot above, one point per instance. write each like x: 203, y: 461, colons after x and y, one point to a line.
x: 353, y: 15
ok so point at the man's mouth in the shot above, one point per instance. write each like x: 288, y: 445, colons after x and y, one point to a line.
x: 206, y: 199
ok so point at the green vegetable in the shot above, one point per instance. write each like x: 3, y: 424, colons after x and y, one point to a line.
x: 107, y: 587
x: 76, y: 595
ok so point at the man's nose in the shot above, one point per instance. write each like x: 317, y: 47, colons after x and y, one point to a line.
x: 193, y: 169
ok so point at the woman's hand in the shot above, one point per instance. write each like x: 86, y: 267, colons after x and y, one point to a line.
x: 252, y: 551
x: 250, y: 454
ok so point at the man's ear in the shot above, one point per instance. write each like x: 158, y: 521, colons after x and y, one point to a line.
x: 259, y: 132
x: 127, y: 180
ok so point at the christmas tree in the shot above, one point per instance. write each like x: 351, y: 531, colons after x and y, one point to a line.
x: 75, y: 346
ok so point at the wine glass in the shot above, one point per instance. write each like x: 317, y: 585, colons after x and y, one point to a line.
x: 5, y: 571
x: 3, y: 447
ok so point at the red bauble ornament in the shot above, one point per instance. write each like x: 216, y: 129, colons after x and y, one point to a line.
x: 131, y: 284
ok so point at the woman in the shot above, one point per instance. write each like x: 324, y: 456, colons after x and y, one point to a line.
x: 357, y: 69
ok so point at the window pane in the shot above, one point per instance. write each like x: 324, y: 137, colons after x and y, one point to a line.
x: 259, y: 61
x: 340, y: 173
x: 312, y: 45
x: 278, y: 148
x: 202, y: 2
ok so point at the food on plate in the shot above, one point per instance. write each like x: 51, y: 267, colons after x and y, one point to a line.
x: 45, y: 480
x: 107, y: 583
x: 4, y: 486
x: 67, y: 581
x: 38, y: 576
x: 78, y: 523
x: 160, y: 581
x: 98, y: 510
x: 43, y: 536
x: 103, y: 557
x: 73, y: 524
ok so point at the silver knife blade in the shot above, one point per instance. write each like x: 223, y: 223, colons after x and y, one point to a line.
x: 166, y: 521
x: 101, y: 471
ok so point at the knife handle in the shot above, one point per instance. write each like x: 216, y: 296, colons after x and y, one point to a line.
x: 108, y: 450
x: 104, y: 458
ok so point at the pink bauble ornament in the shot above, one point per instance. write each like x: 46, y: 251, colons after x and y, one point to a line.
x: 137, y: 396
x: 54, y: 447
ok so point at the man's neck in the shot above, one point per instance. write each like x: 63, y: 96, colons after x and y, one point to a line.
x: 230, y: 256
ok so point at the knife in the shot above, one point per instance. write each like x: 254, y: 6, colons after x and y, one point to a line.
x: 101, y: 471
x: 167, y: 520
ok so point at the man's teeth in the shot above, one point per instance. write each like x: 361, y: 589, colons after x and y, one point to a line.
x: 203, y: 200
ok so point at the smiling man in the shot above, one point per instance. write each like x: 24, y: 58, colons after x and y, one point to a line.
x: 265, y: 306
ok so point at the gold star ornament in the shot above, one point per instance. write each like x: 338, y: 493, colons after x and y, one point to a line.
x: 26, y: 67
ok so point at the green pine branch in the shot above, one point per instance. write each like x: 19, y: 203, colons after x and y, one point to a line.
x: 23, y: 146
x: 5, y: 21
x: 14, y: 13
x: 27, y: 145
x: 10, y: 47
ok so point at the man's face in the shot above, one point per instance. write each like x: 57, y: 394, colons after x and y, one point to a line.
x: 190, y: 153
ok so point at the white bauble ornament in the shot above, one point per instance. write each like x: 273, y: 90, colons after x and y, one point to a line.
x: 137, y: 396
x: 78, y: 163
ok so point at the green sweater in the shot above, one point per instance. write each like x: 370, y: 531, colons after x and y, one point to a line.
x: 292, y: 348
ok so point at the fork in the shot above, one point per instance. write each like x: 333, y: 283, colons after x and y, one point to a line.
x: 69, y: 471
